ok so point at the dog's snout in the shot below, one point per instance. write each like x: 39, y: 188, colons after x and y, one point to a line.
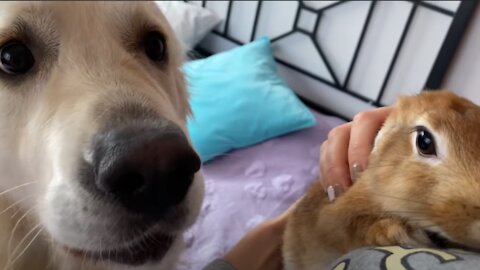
x: 147, y: 170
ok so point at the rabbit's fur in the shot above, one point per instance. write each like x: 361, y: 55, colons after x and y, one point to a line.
x: 404, y: 197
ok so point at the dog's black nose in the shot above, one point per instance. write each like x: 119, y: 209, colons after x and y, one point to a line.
x: 147, y: 170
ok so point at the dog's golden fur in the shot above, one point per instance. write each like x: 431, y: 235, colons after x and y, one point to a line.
x: 87, y: 61
x: 402, y: 193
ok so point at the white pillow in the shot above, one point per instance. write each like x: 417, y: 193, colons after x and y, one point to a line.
x: 191, y: 23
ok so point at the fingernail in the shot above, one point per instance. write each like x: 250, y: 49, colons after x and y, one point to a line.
x: 334, y: 191
x: 355, y: 171
x: 331, y: 193
x: 338, y: 190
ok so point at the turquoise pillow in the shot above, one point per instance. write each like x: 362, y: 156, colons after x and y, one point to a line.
x: 238, y: 100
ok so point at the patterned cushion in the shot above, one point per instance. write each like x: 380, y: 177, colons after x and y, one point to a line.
x: 403, y: 258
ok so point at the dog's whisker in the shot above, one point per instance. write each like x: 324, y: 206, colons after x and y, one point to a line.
x: 15, y: 204
x: 53, y: 260
x: 83, y: 260
x: 17, y: 187
x: 25, y: 238
x: 105, y: 231
x: 82, y: 264
x: 14, y: 214
x: 40, y: 229
x: 101, y: 253
x: 124, y: 239
x: 17, y: 224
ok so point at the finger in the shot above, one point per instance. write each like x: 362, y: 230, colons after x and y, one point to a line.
x: 337, y: 169
x: 323, y: 164
x: 276, y: 262
x: 365, y: 127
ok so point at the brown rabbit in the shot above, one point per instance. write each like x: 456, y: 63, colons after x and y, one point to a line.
x: 422, y: 188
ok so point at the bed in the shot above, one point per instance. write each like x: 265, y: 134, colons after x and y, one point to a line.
x: 339, y: 58
x: 250, y: 185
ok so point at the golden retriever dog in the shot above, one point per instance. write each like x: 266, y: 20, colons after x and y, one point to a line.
x: 96, y: 167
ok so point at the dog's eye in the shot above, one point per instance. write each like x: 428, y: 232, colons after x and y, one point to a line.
x: 154, y: 46
x: 425, y: 142
x: 15, y: 58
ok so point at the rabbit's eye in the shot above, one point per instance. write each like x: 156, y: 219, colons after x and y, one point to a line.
x: 425, y: 142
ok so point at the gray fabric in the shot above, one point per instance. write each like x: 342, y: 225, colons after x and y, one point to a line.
x: 402, y: 258
x: 219, y: 264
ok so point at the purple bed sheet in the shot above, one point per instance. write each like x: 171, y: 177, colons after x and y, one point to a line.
x: 248, y: 186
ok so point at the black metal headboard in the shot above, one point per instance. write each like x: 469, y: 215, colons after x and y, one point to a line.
x: 459, y: 22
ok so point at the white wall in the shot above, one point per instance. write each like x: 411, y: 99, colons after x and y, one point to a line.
x: 463, y: 76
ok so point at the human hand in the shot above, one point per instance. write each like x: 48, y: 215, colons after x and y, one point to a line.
x: 345, y: 153
x: 261, y: 248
